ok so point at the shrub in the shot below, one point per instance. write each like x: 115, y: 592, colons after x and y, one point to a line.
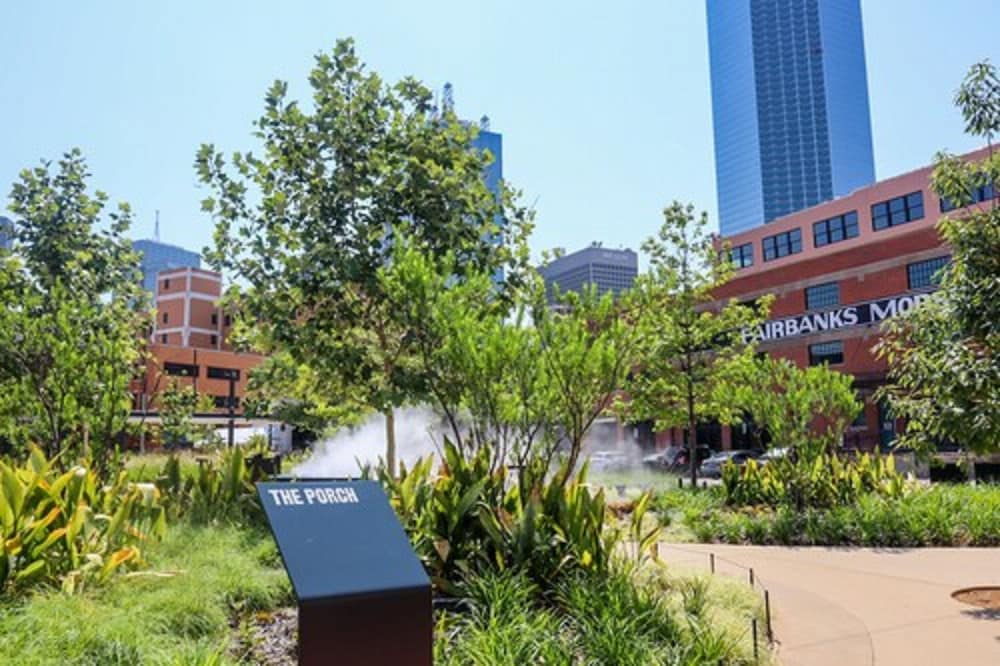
x: 472, y: 516
x: 71, y: 528
x: 219, y: 489
x: 821, y: 482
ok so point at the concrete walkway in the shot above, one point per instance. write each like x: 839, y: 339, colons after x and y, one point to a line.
x: 861, y: 606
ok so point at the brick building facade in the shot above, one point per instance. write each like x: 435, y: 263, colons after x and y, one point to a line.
x: 837, y: 270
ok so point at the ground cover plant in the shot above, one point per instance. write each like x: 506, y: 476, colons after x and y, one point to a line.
x: 939, y: 515
x: 199, y: 583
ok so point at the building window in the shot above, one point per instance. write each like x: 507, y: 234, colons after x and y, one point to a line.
x: 742, y: 256
x: 227, y: 321
x: 166, y: 284
x: 977, y: 195
x: 165, y: 318
x: 861, y: 420
x: 215, y: 319
x: 824, y: 295
x: 826, y: 352
x: 180, y: 369
x: 835, y: 229
x: 213, y: 340
x: 925, y: 274
x: 222, y: 401
x: 223, y: 373
x: 783, y: 244
x: 163, y: 339
x: 898, y: 211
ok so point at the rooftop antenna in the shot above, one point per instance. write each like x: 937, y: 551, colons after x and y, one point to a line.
x: 156, y: 228
x: 447, y: 99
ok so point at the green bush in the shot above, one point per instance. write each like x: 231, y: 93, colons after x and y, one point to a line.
x: 933, y: 516
x: 219, y: 489
x: 71, y: 528
x: 821, y: 482
x: 471, y: 516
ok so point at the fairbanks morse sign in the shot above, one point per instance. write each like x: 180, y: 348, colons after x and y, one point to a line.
x: 845, y: 317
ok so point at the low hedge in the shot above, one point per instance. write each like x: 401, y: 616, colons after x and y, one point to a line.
x: 924, y: 516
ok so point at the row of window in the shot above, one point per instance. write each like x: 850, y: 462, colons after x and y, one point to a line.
x: 191, y: 370
x: 978, y: 195
x: 212, y: 339
x: 885, y: 214
x: 227, y: 320
x: 919, y: 275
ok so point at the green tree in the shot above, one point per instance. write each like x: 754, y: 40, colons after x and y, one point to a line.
x: 944, y: 356
x: 692, y: 346
x: 526, y: 383
x: 307, y: 223
x: 177, y: 406
x: 72, y: 314
x: 804, y: 409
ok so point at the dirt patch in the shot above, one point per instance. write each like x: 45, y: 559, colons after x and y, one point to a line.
x: 981, y: 597
x: 269, y: 638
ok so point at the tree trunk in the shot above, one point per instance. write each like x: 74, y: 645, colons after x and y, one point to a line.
x: 692, y: 441
x: 390, y: 441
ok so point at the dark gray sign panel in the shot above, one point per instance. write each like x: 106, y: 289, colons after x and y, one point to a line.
x: 364, y: 597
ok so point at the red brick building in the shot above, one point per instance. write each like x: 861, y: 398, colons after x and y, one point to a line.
x: 839, y: 269
x: 189, y: 342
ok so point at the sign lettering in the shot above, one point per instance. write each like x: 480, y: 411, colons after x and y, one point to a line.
x: 832, y: 320
x: 283, y: 497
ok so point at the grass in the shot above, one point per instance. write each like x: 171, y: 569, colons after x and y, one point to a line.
x: 939, y: 515
x: 177, y: 612
x: 634, y: 481
x: 653, y: 616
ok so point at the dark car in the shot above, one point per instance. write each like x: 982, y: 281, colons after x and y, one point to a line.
x: 674, y: 458
x: 712, y: 468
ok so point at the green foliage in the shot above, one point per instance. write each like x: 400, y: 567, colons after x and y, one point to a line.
x: 625, y: 617
x: 692, y: 347
x: 469, y: 518
x: 941, y: 515
x: 944, y: 356
x: 71, y: 529
x: 71, y: 313
x: 309, y: 221
x: 805, y: 410
x: 178, y: 611
x: 220, y: 489
x: 821, y: 482
x: 177, y: 406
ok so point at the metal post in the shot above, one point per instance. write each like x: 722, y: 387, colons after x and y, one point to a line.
x: 753, y: 629
x: 711, y: 562
x: 767, y: 616
x: 751, y: 576
x: 232, y: 409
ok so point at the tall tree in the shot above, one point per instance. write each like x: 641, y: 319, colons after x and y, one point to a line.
x: 944, y: 356
x: 307, y: 223
x: 72, y: 313
x: 692, y: 345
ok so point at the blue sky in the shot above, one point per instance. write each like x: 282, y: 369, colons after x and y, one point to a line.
x: 604, y: 108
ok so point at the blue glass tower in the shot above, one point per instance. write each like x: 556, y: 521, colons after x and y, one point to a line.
x: 789, y: 105
x: 6, y: 233
x: 157, y: 256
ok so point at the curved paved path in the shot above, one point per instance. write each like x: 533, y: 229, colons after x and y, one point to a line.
x: 862, y: 606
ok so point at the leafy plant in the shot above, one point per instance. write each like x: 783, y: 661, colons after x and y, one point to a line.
x: 220, y: 489
x: 71, y: 528
x: 821, y: 482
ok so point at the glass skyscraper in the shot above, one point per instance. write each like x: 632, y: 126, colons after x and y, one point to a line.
x: 6, y: 233
x: 789, y: 105
x: 157, y: 256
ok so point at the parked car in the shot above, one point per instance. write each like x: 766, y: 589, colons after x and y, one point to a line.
x: 674, y: 458
x: 712, y: 468
x: 608, y: 461
x: 771, y: 455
